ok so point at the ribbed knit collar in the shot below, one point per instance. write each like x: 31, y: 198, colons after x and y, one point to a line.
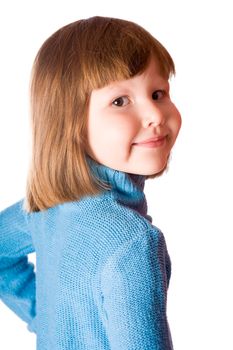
x: 127, y: 189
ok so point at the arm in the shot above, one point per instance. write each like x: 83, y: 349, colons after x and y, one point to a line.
x: 17, y: 277
x: 134, y: 287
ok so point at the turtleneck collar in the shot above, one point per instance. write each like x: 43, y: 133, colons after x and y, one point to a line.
x: 127, y: 189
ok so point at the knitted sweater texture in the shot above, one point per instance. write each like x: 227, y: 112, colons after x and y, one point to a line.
x: 102, y: 270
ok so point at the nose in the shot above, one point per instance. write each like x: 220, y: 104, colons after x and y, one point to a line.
x: 152, y: 114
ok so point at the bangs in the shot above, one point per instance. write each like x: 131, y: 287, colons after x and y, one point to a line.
x: 119, y: 50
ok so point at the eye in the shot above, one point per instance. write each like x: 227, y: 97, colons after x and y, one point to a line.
x: 157, y: 93
x: 121, y: 101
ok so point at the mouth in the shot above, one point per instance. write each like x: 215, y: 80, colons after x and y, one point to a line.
x: 151, y: 143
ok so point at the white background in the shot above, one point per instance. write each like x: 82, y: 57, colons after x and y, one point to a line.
x: 192, y: 203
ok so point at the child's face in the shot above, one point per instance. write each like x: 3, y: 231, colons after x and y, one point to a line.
x: 130, y: 111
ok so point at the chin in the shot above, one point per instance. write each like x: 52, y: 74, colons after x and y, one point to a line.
x: 156, y: 174
x: 149, y: 173
x: 155, y: 170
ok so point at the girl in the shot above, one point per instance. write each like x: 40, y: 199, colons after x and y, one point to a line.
x: 102, y: 123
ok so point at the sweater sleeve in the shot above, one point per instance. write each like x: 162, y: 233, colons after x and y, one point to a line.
x: 134, y: 286
x: 17, y: 276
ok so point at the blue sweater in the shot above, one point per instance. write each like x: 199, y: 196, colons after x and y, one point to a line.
x: 102, y: 270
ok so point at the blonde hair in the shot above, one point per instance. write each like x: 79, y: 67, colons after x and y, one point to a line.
x: 81, y: 56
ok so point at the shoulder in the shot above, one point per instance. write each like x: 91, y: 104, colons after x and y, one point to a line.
x: 99, y: 221
x: 104, y: 223
x: 109, y: 216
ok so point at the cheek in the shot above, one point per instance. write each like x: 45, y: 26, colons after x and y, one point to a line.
x: 175, y: 120
x: 121, y: 129
x: 178, y: 121
x: 174, y: 124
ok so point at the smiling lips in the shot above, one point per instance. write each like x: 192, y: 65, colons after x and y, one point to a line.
x: 152, y: 142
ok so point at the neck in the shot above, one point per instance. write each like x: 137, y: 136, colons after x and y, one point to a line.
x: 126, y: 188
